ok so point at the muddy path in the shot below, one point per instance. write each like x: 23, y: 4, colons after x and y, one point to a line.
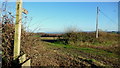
x: 42, y: 54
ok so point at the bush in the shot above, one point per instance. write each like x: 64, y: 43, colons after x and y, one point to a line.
x: 8, y: 30
x: 71, y: 38
x: 81, y: 38
x: 7, y: 43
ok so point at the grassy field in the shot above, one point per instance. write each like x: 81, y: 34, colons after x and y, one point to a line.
x: 103, y: 56
x: 50, y: 51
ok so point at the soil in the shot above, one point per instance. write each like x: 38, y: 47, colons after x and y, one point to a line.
x: 42, y: 54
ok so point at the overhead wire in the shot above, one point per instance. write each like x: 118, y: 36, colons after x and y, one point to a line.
x: 106, y: 16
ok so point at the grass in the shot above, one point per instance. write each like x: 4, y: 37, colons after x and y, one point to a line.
x: 85, y: 49
x: 61, y: 45
x: 92, y: 49
x: 105, y: 38
x: 36, y: 36
x: 48, y: 38
x: 90, y: 53
x: 98, y: 52
x: 74, y: 50
x: 107, y: 43
x: 108, y: 58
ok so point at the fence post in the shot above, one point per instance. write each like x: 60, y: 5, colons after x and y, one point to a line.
x: 17, y: 34
x: 26, y: 64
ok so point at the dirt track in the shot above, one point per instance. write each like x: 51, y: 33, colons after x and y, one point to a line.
x: 44, y: 55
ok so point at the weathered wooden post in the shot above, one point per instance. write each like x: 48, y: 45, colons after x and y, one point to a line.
x: 17, y: 34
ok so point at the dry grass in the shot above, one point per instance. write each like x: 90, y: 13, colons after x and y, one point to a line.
x: 48, y: 38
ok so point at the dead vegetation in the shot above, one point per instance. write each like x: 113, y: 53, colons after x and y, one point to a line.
x: 8, y: 30
x: 45, y: 54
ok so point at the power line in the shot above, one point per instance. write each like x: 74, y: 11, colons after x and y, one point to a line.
x: 106, y: 16
x: 98, y: 10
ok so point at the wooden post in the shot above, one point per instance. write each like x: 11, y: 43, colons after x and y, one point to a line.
x: 0, y: 12
x: 22, y: 58
x: 17, y: 34
x: 97, y: 23
x: 26, y: 64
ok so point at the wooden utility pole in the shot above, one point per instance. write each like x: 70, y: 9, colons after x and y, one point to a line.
x: 97, y: 23
x: 0, y: 12
x: 17, y: 34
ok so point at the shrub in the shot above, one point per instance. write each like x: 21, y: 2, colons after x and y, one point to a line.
x: 7, y: 42
x: 71, y: 38
x: 80, y: 38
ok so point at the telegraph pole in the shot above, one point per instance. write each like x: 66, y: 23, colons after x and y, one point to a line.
x: 97, y: 23
x: 17, y: 34
x: 0, y: 12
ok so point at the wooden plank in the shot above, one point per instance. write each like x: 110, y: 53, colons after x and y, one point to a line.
x: 24, y: 61
x: 27, y: 64
x: 22, y: 58
x: 24, y: 11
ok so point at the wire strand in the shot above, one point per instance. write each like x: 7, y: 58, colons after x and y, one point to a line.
x: 106, y: 16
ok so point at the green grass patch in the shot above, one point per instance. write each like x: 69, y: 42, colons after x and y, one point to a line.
x: 61, y: 45
x: 36, y: 36
x: 98, y: 52
x: 88, y: 50
x: 107, y: 43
